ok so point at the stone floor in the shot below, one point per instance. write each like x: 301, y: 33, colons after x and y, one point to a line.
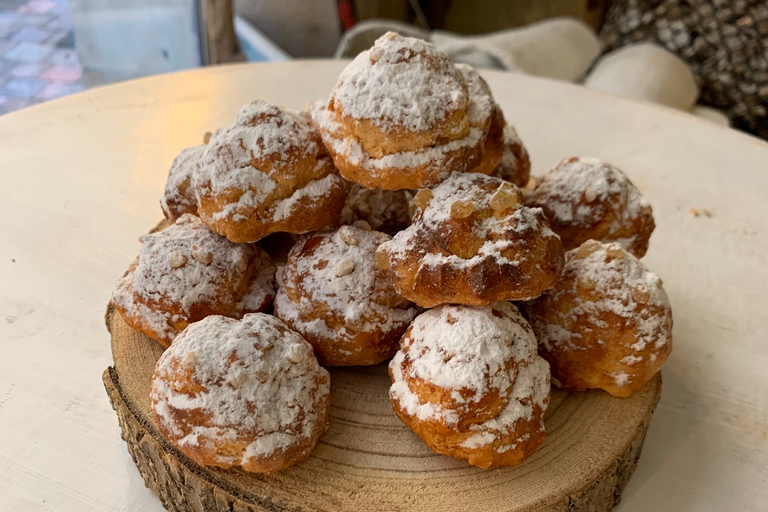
x: 37, y: 56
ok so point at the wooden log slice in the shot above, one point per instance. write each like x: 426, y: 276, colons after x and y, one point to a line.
x: 369, y: 461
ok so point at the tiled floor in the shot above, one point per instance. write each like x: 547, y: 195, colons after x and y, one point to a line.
x: 37, y: 56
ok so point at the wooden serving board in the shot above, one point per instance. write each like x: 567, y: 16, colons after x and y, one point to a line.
x: 369, y: 461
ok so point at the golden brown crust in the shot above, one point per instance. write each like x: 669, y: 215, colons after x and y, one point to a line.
x: 268, y: 172
x: 185, y: 273
x: 277, y: 396
x: 587, y: 199
x: 468, y: 382
x: 471, y: 242
x: 378, y: 142
x: 526, y: 435
x: 400, y: 170
x: 179, y: 195
x: 332, y: 293
x: 493, y: 144
x: 402, y: 95
x: 387, y: 211
x: 402, y: 116
x: 408, y: 176
x: 515, y: 163
x: 607, y: 324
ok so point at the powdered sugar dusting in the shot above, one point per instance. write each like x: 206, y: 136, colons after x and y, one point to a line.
x: 156, y: 280
x: 259, y: 381
x: 511, y: 137
x: 469, y: 189
x: 620, y: 285
x: 314, y: 192
x: 438, y: 159
x: 179, y: 196
x: 482, y: 104
x: 353, y: 151
x: 266, y: 147
x: 478, y: 440
x: 186, y: 269
x: 463, y: 347
x: 630, y: 360
x: 408, y: 400
x: 532, y: 386
x: 581, y: 191
x: 263, y: 287
x: 401, y: 82
x: 508, y: 157
x: 157, y: 319
x: 621, y: 378
x: 341, y: 274
x: 261, y: 132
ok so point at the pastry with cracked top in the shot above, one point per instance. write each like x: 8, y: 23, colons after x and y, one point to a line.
x: 468, y: 381
x: 267, y: 172
x: 403, y: 116
x: 243, y: 393
x: 607, y: 324
x: 473, y: 242
x: 332, y: 293
x: 588, y: 199
x: 186, y: 272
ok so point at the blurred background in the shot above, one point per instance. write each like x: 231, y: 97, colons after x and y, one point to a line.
x: 705, y: 57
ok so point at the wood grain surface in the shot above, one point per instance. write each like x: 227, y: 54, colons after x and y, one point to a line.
x: 223, y: 46
x: 368, y: 460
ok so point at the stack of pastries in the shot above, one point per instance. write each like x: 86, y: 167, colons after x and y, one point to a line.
x: 403, y: 198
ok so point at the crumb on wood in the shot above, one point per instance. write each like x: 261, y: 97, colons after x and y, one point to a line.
x: 699, y: 212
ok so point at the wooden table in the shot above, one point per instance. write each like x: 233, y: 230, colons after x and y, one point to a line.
x: 81, y: 178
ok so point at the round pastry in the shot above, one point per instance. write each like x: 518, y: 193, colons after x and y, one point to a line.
x: 472, y: 242
x: 588, y: 199
x: 402, y: 116
x: 332, y: 293
x: 179, y: 196
x: 482, y: 107
x: 185, y: 273
x: 387, y: 211
x: 241, y: 393
x: 267, y: 172
x: 515, y: 164
x: 467, y: 380
x: 607, y: 324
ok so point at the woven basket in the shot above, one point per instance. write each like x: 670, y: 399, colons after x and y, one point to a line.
x: 724, y: 41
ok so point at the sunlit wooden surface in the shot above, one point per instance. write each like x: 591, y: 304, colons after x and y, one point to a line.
x: 80, y: 179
